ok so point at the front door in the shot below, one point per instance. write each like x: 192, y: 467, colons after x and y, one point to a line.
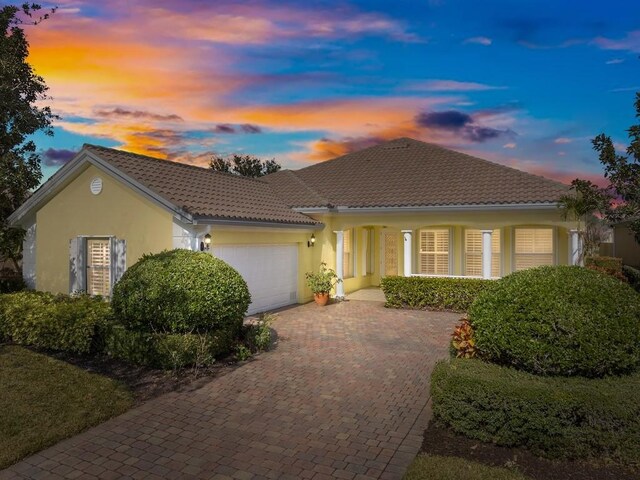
x: 390, y: 253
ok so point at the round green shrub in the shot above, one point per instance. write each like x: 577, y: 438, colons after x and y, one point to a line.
x: 559, y: 321
x: 180, y: 291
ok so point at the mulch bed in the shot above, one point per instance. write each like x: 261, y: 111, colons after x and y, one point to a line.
x: 439, y: 440
x: 148, y: 383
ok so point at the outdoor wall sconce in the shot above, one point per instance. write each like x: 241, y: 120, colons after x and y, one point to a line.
x: 206, y: 244
x: 312, y: 241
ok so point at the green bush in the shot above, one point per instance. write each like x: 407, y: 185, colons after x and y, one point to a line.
x: 559, y: 321
x: 432, y: 293
x: 167, y: 350
x: 11, y: 284
x: 556, y: 417
x: 56, y: 322
x: 608, y: 263
x: 633, y: 276
x: 181, y: 291
x: 257, y: 335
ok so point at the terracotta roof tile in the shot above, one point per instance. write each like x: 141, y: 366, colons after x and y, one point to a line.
x: 203, y: 192
x: 407, y: 172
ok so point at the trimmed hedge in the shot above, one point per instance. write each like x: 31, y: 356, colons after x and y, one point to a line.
x: 608, y: 263
x: 181, y: 291
x: 432, y: 293
x: 559, y: 321
x: 56, y: 322
x: 556, y: 417
x: 167, y: 350
x: 633, y: 276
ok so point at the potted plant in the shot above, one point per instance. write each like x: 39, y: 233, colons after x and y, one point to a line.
x: 321, y: 283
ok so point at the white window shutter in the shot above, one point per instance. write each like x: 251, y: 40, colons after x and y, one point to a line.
x: 77, y: 267
x: 118, y: 259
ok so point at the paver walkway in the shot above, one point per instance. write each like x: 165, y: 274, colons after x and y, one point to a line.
x: 344, y: 395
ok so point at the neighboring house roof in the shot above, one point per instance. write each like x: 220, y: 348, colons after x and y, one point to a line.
x: 203, y: 192
x: 409, y: 173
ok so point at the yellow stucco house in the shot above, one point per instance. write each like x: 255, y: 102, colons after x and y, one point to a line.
x: 400, y: 208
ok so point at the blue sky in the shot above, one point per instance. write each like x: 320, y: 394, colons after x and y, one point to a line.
x: 526, y: 84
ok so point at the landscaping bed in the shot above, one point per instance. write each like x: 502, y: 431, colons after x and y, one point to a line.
x: 441, y: 441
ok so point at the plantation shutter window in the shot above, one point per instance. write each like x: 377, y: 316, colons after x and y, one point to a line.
x: 99, y: 266
x: 347, y: 255
x: 473, y: 253
x: 533, y: 248
x: 96, y: 264
x: 434, y: 252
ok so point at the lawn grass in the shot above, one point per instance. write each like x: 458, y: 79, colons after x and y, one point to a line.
x: 43, y: 400
x: 434, y: 467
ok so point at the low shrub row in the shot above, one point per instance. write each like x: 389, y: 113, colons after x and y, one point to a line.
x: 609, y: 263
x: 432, y: 293
x: 55, y: 322
x: 633, y: 276
x: 166, y: 350
x: 555, y: 417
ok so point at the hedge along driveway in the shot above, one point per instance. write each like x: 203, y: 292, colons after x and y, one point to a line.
x: 344, y: 393
x: 433, y: 293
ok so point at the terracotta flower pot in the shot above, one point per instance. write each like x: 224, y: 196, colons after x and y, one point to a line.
x: 321, y: 298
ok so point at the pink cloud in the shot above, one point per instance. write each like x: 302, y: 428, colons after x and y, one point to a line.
x: 630, y: 42
x: 486, y: 41
x: 451, y: 86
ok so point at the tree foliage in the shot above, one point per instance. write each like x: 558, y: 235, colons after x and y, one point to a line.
x: 22, y: 114
x: 245, y: 165
x: 620, y: 200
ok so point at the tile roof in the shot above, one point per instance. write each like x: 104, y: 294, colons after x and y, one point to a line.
x: 399, y: 173
x: 406, y: 172
x: 203, y: 192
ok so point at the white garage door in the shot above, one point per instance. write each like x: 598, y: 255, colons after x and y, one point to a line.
x: 271, y: 272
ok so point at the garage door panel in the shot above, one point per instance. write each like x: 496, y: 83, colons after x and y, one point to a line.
x: 271, y: 272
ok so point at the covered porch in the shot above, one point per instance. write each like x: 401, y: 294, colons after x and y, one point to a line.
x: 364, y: 253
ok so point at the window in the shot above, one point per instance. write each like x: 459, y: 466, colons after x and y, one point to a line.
x: 95, y: 264
x: 347, y: 255
x: 533, y: 248
x: 473, y: 253
x: 99, y: 266
x: 434, y: 252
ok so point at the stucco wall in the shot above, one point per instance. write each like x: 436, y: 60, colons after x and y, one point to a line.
x: 117, y: 210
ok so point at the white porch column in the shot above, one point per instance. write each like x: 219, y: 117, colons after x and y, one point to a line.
x: 340, y: 263
x: 575, y: 247
x: 408, y: 248
x: 486, y: 253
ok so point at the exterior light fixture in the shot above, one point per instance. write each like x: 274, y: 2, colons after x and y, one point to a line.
x: 312, y: 241
x: 206, y: 244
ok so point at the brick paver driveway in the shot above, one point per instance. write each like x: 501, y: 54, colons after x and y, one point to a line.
x: 344, y: 395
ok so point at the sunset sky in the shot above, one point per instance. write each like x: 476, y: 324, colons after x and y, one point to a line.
x: 523, y: 83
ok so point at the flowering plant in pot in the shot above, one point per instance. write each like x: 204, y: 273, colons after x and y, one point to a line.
x: 321, y: 283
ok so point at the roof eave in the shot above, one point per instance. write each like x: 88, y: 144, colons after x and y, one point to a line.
x: 256, y: 223
x: 57, y: 181
x: 434, y: 208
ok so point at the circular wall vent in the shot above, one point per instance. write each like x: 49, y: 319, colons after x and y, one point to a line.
x: 96, y: 185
